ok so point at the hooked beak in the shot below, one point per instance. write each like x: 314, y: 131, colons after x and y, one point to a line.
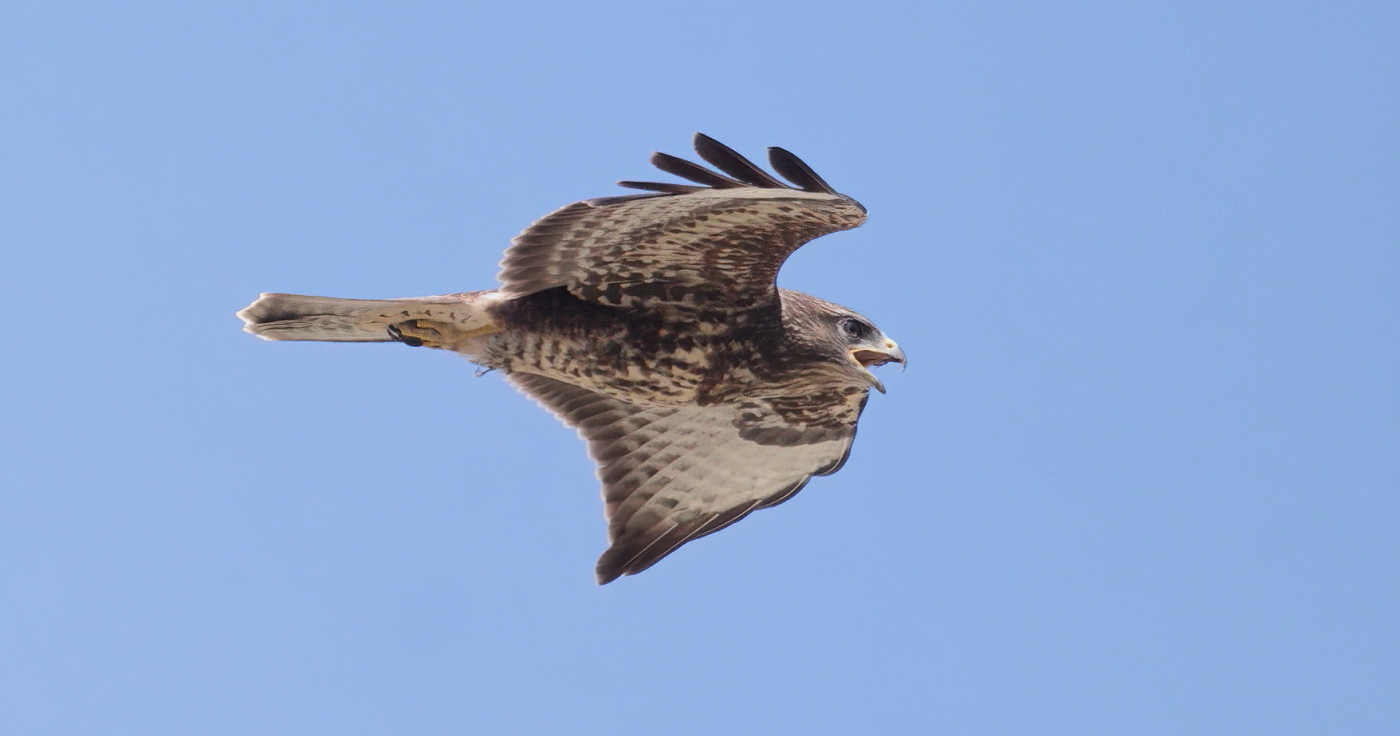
x: 868, y: 358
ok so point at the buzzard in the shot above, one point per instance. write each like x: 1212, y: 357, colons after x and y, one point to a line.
x: 653, y: 324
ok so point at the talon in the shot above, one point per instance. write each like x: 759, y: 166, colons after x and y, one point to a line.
x: 416, y: 333
x: 398, y: 335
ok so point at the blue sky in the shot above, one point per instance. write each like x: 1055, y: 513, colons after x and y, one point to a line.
x: 1141, y: 477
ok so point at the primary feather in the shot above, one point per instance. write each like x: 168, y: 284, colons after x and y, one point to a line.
x: 653, y: 324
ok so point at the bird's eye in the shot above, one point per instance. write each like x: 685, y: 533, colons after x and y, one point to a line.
x: 855, y: 329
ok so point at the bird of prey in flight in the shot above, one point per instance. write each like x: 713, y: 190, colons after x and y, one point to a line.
x: 653, y: 324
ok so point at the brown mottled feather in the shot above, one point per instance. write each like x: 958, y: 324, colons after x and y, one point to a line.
x: 717, y: 247
x: 671, y: 475
x: 710, y: 394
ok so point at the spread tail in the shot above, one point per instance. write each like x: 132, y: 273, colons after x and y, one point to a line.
x: 297, y: 317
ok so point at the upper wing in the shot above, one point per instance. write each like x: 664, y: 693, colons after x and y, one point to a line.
x: 717, y: 246
x: 675, y: 474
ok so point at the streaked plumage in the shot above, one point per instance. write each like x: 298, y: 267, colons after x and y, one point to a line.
x: 653, y: 324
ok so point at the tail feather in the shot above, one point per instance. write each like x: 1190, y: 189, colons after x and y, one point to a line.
x: 329, y: 319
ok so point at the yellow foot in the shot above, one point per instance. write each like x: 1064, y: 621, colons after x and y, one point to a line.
x: 428, y: 333
x: 480, y: 332
x: 422, y: 333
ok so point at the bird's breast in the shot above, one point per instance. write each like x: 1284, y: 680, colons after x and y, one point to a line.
x: 656, y: 366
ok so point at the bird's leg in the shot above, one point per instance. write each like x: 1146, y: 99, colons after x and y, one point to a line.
x: 417, y: 333
x: 431, y: 333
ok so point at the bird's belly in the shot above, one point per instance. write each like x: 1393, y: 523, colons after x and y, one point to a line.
x: 623, y: 368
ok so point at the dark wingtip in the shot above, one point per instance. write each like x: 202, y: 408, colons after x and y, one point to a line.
x: 797, y: 171
x: 657, y: 186
x: 732, y: 163
x: 692, y: 171
x: 740, y: 172
x: 609, y: 568
x: 630, y: 558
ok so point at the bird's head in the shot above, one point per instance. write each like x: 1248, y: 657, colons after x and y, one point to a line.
x: 848, y: 339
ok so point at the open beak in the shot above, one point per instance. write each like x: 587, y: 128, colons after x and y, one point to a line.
x: 868, y: 358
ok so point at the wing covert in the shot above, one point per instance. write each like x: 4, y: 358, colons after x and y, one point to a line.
x: 716, y: 244
x: 674, y: 474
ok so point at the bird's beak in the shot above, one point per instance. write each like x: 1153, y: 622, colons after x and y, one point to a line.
x: 868, y: 358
